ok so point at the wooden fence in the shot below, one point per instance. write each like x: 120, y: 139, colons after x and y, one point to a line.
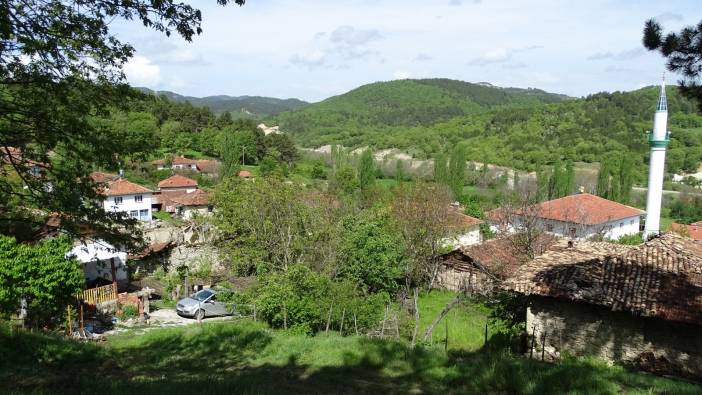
x: 99, y: 295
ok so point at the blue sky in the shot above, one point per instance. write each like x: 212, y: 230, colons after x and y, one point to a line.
x: 315, y: 49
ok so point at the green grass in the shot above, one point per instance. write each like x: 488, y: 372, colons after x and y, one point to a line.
x: 466, y: 322
x: 166, y: 217
x: 246, y: 357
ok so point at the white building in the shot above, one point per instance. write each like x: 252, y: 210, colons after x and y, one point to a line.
x: 465, y: 230
x: 122, y: 195
x: 99, y: 260
x: 188, y: 205
x: 177, y: 163
x: 178, y: 183
x: 658, y: 140
x: 579, y: 216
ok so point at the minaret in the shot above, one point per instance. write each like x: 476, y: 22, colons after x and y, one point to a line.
x: 658, y: 140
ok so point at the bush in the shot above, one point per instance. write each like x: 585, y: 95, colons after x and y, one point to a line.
x: 129, y: 311
x: 306, y: 300
x: 634, y: 239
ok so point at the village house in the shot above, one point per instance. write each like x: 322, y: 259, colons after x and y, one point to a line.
x: 465, y: 230
x: 102, y: 263
x: 578, y: 216
x: 640, y: 305
x: 482, y: 268
x: 177, y: 183
x: 125, y: 196
x: 181, y: 163
x: 187, y: 205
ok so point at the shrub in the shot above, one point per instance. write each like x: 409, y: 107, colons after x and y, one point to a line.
x: 129, y: 311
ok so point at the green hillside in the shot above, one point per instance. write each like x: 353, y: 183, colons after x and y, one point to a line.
x: 241, y: 106
x: 506, y: 126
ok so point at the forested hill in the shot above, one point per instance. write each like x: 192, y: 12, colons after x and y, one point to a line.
x: 405, y: 103
x: 239, y: 106
x: 507, y: 126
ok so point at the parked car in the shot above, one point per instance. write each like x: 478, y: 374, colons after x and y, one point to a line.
x: 202, y: 304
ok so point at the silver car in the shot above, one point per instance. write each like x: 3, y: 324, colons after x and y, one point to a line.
x: 202, y: 304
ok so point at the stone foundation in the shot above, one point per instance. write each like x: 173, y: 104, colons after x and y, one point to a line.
x: 582, y: 329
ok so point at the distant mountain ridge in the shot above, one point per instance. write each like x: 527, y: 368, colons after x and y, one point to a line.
x: 239, y: 106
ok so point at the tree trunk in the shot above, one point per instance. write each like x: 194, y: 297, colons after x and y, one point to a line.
x: 441, y: 315
x: 416, y: 317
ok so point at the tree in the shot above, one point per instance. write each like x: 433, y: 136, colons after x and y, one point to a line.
x: 266, y: 223
x: 366, y: 169
x: 421, y: 214
x: 39, y: 275
x: 569, y: 178
x: 60, y: 66
x: 370, y: 253
x: 683, y: 52
x: 457, y: 171
x: 440, y: 169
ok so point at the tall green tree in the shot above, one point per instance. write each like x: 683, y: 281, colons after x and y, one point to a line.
x: 683, y: 51
x: 441, y: 169
x: 41, y: 276
x: 457, y: 171
x: 60, y: 66
x: 569, y: 178
x: 366, y: 169
x: 603, y: 179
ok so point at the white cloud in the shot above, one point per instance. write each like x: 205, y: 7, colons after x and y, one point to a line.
x: 621, y: 55
x: 140, y: 71
x: 421, y: 57
x: 350, y: 36
x: 309, y: 59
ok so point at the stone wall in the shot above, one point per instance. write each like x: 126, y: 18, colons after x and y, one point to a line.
x: 582, y: 329
x: 469, y: 280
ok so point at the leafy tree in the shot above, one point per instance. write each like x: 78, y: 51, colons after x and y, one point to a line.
x: 60, y: 66
x: 345, y: 181
x: 441, y: 169
x: 371, y: 253
x: 267, y: 224
x: 366, y: 169
x: 569, y: 178
x: 683, y: 52
x: 40, y: 275
x: 399, y: 170
x: 281, y: 143
x: 457, y: 171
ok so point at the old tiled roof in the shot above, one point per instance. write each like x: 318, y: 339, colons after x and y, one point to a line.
x: 208, y: 166
x: 661, y: 278
x: 196, y: 198
x: 245, y: 174
x: 154, y: 248
x: 581, y: 208
x: 459, y: 221
x: 177, y: 160
x: 165, y: 199
x: 124, y: 187
x: 177, y: 181
x: 499, y: 257
x: 101, y: 178
x: 694, y: 230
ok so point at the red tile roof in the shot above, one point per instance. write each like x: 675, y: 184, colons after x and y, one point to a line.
x: 177, y: 181
x: 245, y: 174
x: 661, y: 278
x: 177, y: 160
x: 124, y: 187
x: 693, y: 231
x: 196, y: 198
x: 208, y: 166
x: 459, y: 221
x: 581, y: 208
x: 102, y: 178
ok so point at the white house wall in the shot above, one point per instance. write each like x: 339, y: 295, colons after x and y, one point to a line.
x: 130, y: 205
x: 470, y: 237
x: 610, y: 230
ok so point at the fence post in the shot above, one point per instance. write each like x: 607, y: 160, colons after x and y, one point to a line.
x: 343, y: 314
x: 69, y: 326
x: 326, y: 329
x: 355, y: 324
x: 446, y: 340
x: 82, y: 326
x: 533, y: 337
x: 543, y: 345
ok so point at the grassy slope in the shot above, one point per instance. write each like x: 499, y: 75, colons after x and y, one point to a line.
x: 246, y: 357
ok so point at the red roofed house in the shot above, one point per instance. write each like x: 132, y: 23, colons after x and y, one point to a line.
x: 188, y: 205
x: 578, y: 216
x: 245, y: 174
x: 641, y: 305
x: 177, y: 163
x: 128, y: 197
x: 693, y: 231
x: 465, y: 230
x: 177, y: 183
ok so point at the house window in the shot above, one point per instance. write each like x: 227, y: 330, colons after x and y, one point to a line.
x: 138, y: 198
x: 118, y: 200
x: 621, y: 225
x: 549, y: 227
x: 144, y: 215
x: 631, y: 222
x: 134, y: 214
x: 573, y: 232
